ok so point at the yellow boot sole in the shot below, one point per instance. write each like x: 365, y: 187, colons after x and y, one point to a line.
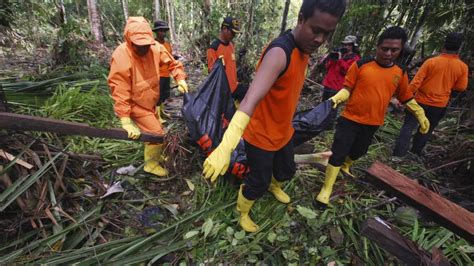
x: 279, y: 194
x: 247, y: 224
x: 155, y: 169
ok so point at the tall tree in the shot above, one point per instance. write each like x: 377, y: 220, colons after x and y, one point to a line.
x: 206, y: 21
x: 125, y: 9
x: 62, y: 12
x: 94, y: 19
x: 285, y: 15
x: 156, y: 7
x: 415, y: 37
x: 170, y: 20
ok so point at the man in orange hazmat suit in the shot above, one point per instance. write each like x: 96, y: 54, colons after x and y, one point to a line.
x: 134, y: 83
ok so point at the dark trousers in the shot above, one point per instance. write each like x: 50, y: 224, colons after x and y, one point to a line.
x: 265, y: 164
x: 165, y: 89
x: 328, y: 93
x: 434, y: 115
x: 350, y: 140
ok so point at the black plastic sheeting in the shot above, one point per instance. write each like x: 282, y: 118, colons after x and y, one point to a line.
x: 310, y: 123
x: 208, y: 112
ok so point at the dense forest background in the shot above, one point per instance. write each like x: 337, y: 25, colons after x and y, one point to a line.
x: 65, y: 27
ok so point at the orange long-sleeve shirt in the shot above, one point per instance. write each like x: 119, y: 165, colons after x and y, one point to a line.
x: 164, y: 71
x: 437, y: 77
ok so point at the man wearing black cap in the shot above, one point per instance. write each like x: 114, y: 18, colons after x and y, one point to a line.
x: 223, y: 47
x: 432, y: 85
x: 160, y: 28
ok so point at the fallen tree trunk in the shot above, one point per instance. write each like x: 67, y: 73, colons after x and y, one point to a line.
x: 32, y: 123
x: 439, y: 209
x: 393, y: 242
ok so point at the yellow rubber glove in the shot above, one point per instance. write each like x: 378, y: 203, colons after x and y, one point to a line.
x: 419, y: 113
x: 218, y: 162
x: 132, y: 130
x: 340, y: 97
x: 182, y: 86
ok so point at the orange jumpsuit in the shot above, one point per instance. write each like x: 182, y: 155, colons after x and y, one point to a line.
x: 134, y: 80
x: 164, y: 72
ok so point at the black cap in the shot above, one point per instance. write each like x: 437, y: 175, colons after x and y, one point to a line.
x: 232, y: 23
x: 160, y: 25
x: 453, y: 41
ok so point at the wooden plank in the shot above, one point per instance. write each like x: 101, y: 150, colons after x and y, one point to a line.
x: 19, y: 161
x: 389, y: 239
x: 32, y: 123
x: 441, y: 210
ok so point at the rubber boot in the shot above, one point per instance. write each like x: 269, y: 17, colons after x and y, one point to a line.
x: 275, y: 189
x: 347, y: 165
x: 163, y: 110
x: 153, y: 159
x: 323, y: 197
x: 158, y: 114
x: 243, y: 206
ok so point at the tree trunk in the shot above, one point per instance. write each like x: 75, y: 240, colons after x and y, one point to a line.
x: 248, y: 33
x: 78, y: 7
x: 156, y: 6
x: 94, y: 18
x: 170, y: 20
x: 419, y: 26
x: 173, y: 26
x: 247, y: 38
x: 285, y: 15
x: 62, y: 12
x: 405, y: 5
x: 205, y: 35
x: 206, y: 9
x: 125, y: 9
x: 412, y: 17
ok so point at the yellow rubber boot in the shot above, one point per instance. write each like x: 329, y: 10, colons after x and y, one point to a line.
x: 153, y: 158
x: 158, y: 115
x: 243, y: 206
x: 347, y: 165
x: 163, y: 110
x: 326, y: 190
x: 275, y: 189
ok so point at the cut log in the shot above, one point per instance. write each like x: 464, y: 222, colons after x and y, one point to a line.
x: 32, y: 123
x: 320, y: 157
x: 389, y: 239
x: 439, y: 209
